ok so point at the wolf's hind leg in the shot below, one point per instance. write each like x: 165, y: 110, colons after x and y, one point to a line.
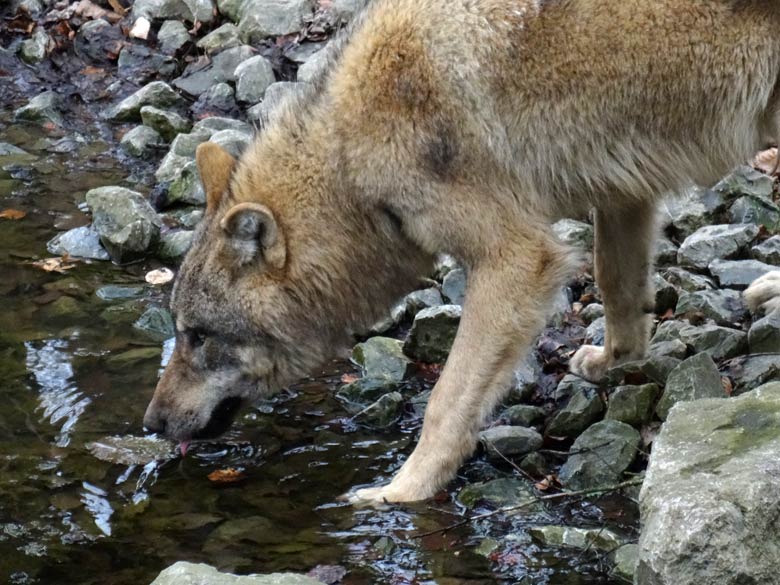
x: 623, y: 248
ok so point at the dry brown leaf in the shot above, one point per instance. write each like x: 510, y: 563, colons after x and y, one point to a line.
x: 349, y: 378
x: 13, y: 214
x: 728, y: 385
x: 229, y: 475
x: 767, y: 161
x: 118, y: 8
x: 159, y: 276
x: 88, y: 9
x: 55, y: 264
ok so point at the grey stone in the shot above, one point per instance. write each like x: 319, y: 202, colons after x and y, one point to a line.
x: 156, y: 93
x: 768, y: 251
x: 141, y: 64
x: 31, y: 7
x: 571, y: 385
x: 696, y: 503
x: 231, y: 8
x: 688, y: 281
x: 591, y: 312
x: 522, y: 415
x: 750, y: 372
x: 574, y: 233
x: 364, y: 391
x: 725, y: 307
x: 524, y: 378
x: 141, y: 141
x: 739, y: 273
x: 697, y: 377
x: 191, y: 219
x: 313, y: 67
x: 535, y: 465
x: 510, y: 441
x: 261, y: 19
x: 253, y: 77
x: 382, y: 358
x: 453, y: 287
x: 720, y: 342
x: 746, y: 180
x: 224, y: 37
x: 129, y: 450
x: 596, y: 331
x: 764, y: 334
x: 149, y: 9
x: 561, y: 307
x: 671, y: 348
x: 34, y: 49
x: 499, y: 493
x: 602, y: 454
x: 382, y: 413
x: 167, y: 124
x: 633, y: 405
x: 157, y: 323
x: 190, y: 10
x: 172, y: 36
x: 174, y: 245
x: 42, y: 108
x: 186, y: 186
x: 665, y: 295
x: 665, y: 252
x: 626, y: 560
x: 80, y: 242
x: 583, y: 409
x: 233, y: 141
x: 599, y: 539
x: 182, y: 151
x: 425, y: 298
x: 275, y: 96
x: 113, y: 292
x: 432, y: 333
x: 127, y: 224
x: 693, y: 209
x: 216, y: 123
x: 393, y: 319
x: 715, y: 242
x: 197, y: 79
x: 184, y: 573
x: 668, y: 331
x: 9, y: 150
x: 658, y: 368
x: 756, y: 210
x: 345, y: 10
x: 219, y: 100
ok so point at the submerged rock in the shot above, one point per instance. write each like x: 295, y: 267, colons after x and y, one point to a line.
x: 363, y: 391
x: 382, y: 413
x: 184, y: 573
x: 600, y: 539
x: 499, y: 493
x: 711, y: 498
x: 129, y: 450
x: 156, y: 322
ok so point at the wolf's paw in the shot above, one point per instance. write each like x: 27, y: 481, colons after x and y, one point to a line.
x: 590, y: 362
x: 380, y: 496
x: 764, y: 293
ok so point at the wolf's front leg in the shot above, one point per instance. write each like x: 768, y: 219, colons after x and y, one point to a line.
x: 506, y: 304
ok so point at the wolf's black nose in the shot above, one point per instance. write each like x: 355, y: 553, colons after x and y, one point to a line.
x: 154, y: 422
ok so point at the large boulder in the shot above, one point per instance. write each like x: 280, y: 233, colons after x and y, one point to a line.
x: 711, y: 498
x: 184, y: 573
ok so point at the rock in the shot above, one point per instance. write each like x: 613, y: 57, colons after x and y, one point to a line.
x: 725, y: 307
x: 113, y: 292
x: 500, y: 493
x: 127, y: 224
x: 393, y: 319
x: 141, y: 64
x: 755, y: 210
x: 32, y: 8
x: 510, y: 441
x: 9, y: 150
x: 313, y: 67
x: 697, y: 377
x: 80, y: 242
x: 157, y: 323
x: 600, y: 539
x: 174, y: 245
x: 41, y: 108
x: 714, y: 242
x: 382, y: 358
x: 224, y: 37
x: 275, y: 95
x: 261, y: 19
x: 626, y: 560
x: 693, y: 209
x: 233, y: 141
x: 453, y: 287
x: 584, y: 408
x: 748, y: 181
x: 696, y: 503
x: 596, y: 331
x: 99, y: 41
x: 364, y: 391
x: 215, y: 124
x: 688, y: 281
x: 720, y: 342
x: 197, y: 79
x: 253, y: 77
x: 658, y: 368
x: 750, y: 372
x: 535, y: 465
x: 574, y: 233
x: 141, y: 141
x: 129, y: 450
x: 560, y: 307
x: 156, y: 93
x: 665, y: 252
x: 189, y: 10
x: 167, y: 124
x: 184, y: 573
x: 382, y: 413
x: 190, y: 219
x: 186, y: 187
x: 672, y: 348
x: 418, y: 300
x: 591, y: 312
x: 739, y: 273
x: 522, y: 415
x: 633, y: 405
x: 181, y: 153
x: 764, y: 334
x: 345, y: 10
x: 668, y: 331
x: 524, y: 378
x: 34, y: 49
x: 432, y: 333
x: 768, y: 251
x: 172, y: 36
x: 571, y: 385
x: 665, y: 295
x: 218, y: 100
x: 602, y: 454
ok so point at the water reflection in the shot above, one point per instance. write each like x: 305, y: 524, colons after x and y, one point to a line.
x: 59, y: 399
x: 96, y: 502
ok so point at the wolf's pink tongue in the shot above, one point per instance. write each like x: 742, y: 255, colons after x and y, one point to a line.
x: 183, y: 446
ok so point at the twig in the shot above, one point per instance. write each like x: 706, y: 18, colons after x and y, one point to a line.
x: 529, y: 503
x: 514, y: 465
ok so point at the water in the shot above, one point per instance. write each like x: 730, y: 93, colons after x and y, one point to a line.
x: 73, y: 370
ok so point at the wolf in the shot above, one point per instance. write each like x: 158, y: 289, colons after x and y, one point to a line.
x: 465, y: 127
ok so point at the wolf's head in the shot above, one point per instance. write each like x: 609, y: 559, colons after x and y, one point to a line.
x: 282, y: 271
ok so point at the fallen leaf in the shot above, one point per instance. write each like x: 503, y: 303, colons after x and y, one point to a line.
x: 767, y: 161
x: 159, y: 276
x: 229, y: 475
x: 55, y: 264
x: 89, y: 9
x: 349, y: 378
x: 14, y: 214
x: 119, y: 9
x: 728, y: 385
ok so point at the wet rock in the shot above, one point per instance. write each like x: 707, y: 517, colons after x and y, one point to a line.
x: 720, y: 342
x: 218, y: 100
x: 186, y: 187
x: 714, y: 242
x: 174, y: 245
x: 181, y: 153
x: 393, y: 319
x: 167, y: 124
x: 509, y: 441
x: 571, y: 385
x: 633, y: 405
x: 688, y: 281
x: 665, y: 295
x: 141, y: 64
x: 696, y: 503
x: 739, y: 273
x: 129, y: 450
x: 600, y: 539
x: 672, y: 348
x: 382, y: 358
x: 665, y: 252
x: 748, y: 181
x: 382, y: 413
x: 80, y: 242
x: 156, y: 93
x: 9, y: 150
x: 172, y: 36
x: 34, y: 49
x: 422, y: 299
x: 432, y: 333
x: 42, y: 108
x: 233, y: 141
x: 602, y: 454
x: 184, y: 573
x: 313, y: 67
x: 768, y: 251
x: 591, y: 312
x: 189, y: 10
x: 523, y: 415
x: 253, y: 77
x: 596, y: 331
x: 695, y: 378
x: 668, y: 331
x: 157, y: 323
x: 224, y: 37
x: 99, y: 41
x: 725, y: 307
x: 364, y: 391
x: 764, y: 334
x: 127, y: 224
x: 561, y: 307
x: 750, y: 209
x: 500, y: 493
x: 693, y: 209
x: 583, y: 409
x: 112, y: 292
x: 142, y: 141
x: 198, y: 78
x: 750, y: 372
x: 626, y: 560
x: 275, y: 95
x: 535, y: 465
x: 453, y: 287
x: 658, y: 368
x: 261, y: 19
x: 524, y: 378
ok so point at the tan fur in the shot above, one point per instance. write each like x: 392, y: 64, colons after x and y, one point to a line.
x: 467, y: 127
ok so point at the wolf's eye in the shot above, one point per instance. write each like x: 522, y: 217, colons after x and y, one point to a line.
x: 196, y: 337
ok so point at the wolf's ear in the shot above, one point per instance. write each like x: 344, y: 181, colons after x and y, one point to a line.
x: 215, y: 166
x: 252, y: 232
